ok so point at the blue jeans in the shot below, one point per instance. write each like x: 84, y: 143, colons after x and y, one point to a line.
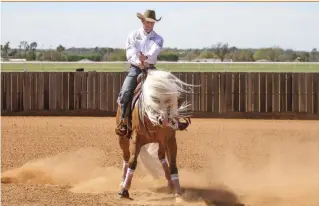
x: 127, y: 90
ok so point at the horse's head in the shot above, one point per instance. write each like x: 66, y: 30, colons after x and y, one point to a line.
x: 161, y: 93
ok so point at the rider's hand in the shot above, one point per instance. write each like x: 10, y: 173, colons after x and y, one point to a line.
x: 141, y: 66
x: 142, y: 57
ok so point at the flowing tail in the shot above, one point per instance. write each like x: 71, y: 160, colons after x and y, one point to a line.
x: 149, y: 159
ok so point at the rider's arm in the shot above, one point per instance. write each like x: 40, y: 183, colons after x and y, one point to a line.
x: 155, y: 50
x: 131, y: 51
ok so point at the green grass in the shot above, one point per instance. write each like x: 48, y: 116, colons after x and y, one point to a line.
x: 184, y: 67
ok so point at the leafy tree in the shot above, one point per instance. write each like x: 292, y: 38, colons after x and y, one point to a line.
x: 207, y: 55
x: 168, y: 56
x: 271, y: 54
x: 5, y: 49
x: 33, y: 48
x: 13, y: 53
x: 191, y: 55
x: 304, y: 57
x: 244, y: 55
x: 25, y: 46
x: 221, y: 50
x: 314, y: 55
x: 117, y: 56
x: 60, y: 48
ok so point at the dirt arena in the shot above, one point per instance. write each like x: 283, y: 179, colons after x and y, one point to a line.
x: 77, y: 161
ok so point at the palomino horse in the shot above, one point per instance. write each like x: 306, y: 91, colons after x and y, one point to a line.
x: 154, y: 120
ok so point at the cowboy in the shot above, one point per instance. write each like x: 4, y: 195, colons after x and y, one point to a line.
x: 142, y: 48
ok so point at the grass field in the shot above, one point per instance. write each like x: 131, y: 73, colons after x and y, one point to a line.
x: 181, y: 67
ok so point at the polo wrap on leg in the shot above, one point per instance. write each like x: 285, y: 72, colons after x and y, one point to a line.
x: 128, y: 179
x: 124, y: 170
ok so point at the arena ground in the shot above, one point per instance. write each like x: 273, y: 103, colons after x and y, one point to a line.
x: 77, y: 161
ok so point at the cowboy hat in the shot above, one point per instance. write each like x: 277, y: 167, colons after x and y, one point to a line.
x: 149, y: 15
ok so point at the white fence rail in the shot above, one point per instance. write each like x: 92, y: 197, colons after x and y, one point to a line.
x: 159, y: 62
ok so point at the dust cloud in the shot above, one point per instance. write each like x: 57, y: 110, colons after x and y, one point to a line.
x: 77, y: 169
x: 81, y: 171
x: 288, y: 175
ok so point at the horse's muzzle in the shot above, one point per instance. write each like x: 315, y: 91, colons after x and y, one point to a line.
x: 163, y: 121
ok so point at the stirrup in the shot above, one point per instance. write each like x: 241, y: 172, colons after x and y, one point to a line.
x: 121, y: 128
x: 183, y: 125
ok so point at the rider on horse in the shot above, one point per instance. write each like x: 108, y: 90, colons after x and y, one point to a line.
x: 142, y: 48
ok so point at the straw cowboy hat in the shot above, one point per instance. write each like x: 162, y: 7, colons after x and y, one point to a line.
x: 149, y: 15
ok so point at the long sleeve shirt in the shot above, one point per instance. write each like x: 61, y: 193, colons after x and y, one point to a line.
x: 149, y: 44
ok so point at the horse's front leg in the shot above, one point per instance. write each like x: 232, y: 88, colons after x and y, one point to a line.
x: 135, y: 148
x: 125, y: 146
x: 161, y: 157
x: 172, y: 155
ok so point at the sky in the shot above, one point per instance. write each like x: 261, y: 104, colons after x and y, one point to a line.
x: 289, y: 25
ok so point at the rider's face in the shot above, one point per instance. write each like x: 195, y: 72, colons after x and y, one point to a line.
x: 148, y: 26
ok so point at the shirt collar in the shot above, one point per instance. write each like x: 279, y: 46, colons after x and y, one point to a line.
x: 143, y: 32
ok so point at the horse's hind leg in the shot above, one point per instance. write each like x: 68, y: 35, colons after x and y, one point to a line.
x: 125, y: 146
x: 135, y: 148
x: 161, y: 157
x: 172, y: 155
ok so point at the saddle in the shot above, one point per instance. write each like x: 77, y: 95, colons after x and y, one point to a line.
x: 137, y: 91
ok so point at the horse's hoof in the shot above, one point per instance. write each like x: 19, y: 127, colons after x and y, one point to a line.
x: 179, y: 199
x: 124, y: 193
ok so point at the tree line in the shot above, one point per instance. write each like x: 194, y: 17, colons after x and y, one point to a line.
x: 220, y: 51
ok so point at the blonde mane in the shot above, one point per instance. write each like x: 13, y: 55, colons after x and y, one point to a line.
x: 160, y: 94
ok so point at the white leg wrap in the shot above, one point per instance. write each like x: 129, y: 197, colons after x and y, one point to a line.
x: 125, y: 163
x: 124, y: 170
x: 128, y: 179
x: 163, y: 161
x: 175, y: 181
x: 174, y: 176
x: 125, y: 166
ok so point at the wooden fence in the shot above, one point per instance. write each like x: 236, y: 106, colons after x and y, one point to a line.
x: 220, y: 93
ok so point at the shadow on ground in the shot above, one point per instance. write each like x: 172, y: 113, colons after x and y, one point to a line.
x: 211, y: 196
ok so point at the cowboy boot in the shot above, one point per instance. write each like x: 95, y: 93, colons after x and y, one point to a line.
x: 183, y: 125
x: 121, y: 129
